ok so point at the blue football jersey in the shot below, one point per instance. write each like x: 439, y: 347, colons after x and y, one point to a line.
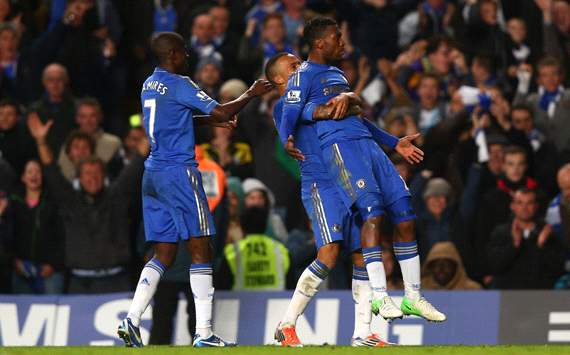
x: 318, y: 83
x: 168, y: 101
x: 306, y: 140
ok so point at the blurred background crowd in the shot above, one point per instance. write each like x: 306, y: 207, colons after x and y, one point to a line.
x: 482, y: 80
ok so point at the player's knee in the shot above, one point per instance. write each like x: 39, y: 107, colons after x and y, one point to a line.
x: 406, y: 231
x: 166, y: 258
x: 358, y: 259
x: 200, y: 250
x: 328, y: 254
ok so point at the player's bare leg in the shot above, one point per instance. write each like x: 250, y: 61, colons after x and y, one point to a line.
x: 164, y: 254
x: 362, y: 296
x: 382, y: 304
x: 406, y: 251
x: 307, y: 287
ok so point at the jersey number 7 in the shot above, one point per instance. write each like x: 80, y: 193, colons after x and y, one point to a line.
x: 151, y: 103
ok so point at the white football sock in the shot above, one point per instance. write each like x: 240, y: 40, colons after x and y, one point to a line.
x: 201, y: 282
x: 409, y: 260
x: 361, y: 294
x: 375, y: 268
x: 148, y: 281
x: 307, y: 287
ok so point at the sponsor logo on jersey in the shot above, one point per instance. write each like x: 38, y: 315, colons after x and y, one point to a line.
x: 293, y: 96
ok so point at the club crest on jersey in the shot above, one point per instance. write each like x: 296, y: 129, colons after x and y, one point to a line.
x: 361, y: 183
x: 336, y: 228
x: 293, y: 96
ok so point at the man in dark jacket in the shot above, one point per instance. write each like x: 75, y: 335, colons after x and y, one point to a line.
x: 524, y: 253
x: 16, y: 144
x: 95, y: 218
x: 495, y: 203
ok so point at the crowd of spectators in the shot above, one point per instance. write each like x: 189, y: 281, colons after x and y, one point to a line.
x: 482, y: 80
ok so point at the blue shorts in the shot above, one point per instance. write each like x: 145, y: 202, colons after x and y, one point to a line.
x: 366, y: 178
x: 175, y: 205
x: 330, y: 219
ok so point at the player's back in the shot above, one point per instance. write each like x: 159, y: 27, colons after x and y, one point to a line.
x: 168, y: 100
x: 327, y: 82
x: 312, y: 168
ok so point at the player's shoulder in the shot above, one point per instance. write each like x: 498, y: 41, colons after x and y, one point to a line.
x: 303, y: 73
x: 184, y: 80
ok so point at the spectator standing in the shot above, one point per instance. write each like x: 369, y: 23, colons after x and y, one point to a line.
x: 57, y: 105
x: 273, y: 40
x: 226, y: 42
x: 38, y: 237
x: 95, y: 218
x: 558, y: 212
x: 524, y: 253
x: 258, y: 195
x: 257, y: 262
x: 89, y: 116
x: 16, y: 144
x: 495, y: 204
x: 551, y: 104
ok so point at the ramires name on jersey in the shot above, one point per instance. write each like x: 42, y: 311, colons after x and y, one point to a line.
x: 156, y: 86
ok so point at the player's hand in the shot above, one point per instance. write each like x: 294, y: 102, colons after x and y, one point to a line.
x: 408, y: 150
x: 545, y: 233
x: 260, y: 87
x: 292, y: 151
x: 38, y: 130
x: 231, y: 124
x: 339, y: 106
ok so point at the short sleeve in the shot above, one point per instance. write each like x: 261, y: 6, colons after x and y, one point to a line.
x: 189, y: 94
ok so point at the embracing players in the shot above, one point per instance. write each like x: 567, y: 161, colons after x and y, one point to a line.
x: 174, y: 202
x: 367, y: 182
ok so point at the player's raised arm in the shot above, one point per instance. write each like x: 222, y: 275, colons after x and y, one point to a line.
x: 225, y: 112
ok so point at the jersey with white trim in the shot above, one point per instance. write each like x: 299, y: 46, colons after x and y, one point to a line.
x: 313, y: 168
x: 318, y: 83
x: 167, y: 102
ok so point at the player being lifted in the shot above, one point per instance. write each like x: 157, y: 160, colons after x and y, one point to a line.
x: 366, y: 179
x: 174, y: 202
x: 332, y: 222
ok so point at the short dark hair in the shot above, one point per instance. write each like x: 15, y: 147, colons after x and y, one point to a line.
x: 270, y: 66
x: 522, y: 107
x: 91, y: 160
x: 528, y: 190
x: 435, y: 42
x: 484, y: 61
x: 90, y: 101
x: 11, y: 102
x: 273, y: 16
x: 254, y: 220
x: 315, y: 28
x: 77, y: 135
x: 163, y: 42
x: 515, y: 149
x: 550, y: 61
x: 431, y: 76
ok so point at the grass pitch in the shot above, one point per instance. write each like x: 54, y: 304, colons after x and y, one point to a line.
x: 311, y: 350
